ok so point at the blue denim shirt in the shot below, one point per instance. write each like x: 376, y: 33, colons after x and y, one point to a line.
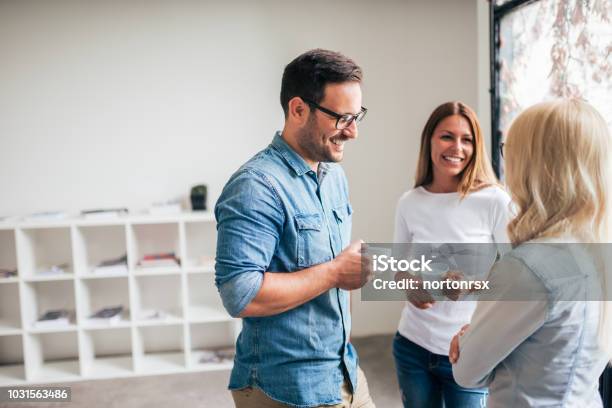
x: 277, y: 215
x: 537, y: 345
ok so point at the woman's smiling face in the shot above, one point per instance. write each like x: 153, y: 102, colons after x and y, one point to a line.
x: 452, y: 146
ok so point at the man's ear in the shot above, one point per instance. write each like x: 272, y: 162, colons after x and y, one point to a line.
x: 298, y: 111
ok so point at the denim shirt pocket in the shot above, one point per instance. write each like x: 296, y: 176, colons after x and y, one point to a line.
x: 312, y: 240
x: 342, y: 214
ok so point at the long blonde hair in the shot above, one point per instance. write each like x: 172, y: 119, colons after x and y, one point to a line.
x: 559, y: 174
x: 478, y: 173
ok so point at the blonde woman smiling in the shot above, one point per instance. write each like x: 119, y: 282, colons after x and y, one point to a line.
x: 546, y: 351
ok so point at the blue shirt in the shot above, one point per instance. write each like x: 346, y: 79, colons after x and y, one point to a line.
x: 276, y: 214
x: 535, y: 343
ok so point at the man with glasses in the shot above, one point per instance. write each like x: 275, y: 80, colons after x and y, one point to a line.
x: 284, y: 260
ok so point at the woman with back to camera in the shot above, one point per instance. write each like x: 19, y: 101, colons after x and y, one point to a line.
x: 456, y: 199
x: 549, y: 348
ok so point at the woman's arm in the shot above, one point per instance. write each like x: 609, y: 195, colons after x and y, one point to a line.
x: 498, y: 327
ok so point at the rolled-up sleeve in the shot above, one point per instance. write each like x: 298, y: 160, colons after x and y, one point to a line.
x: 249, y: 223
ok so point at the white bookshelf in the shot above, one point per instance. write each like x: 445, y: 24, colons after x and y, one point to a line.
x: 173, y: 316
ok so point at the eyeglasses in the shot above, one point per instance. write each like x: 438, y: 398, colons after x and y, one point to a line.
x: 501, y: 149
x: 342, y: 121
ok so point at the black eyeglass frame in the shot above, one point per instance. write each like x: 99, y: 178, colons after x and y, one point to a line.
x: 501, y: 149
x: 349, y: 118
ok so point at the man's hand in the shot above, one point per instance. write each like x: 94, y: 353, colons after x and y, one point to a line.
x: 281, y: 291
x: 453, y: 352
x: 351, y: 269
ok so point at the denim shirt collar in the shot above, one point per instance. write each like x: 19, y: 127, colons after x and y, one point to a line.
x: 294, y: 160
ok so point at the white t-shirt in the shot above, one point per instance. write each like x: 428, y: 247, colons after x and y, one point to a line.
x: 422, y: 216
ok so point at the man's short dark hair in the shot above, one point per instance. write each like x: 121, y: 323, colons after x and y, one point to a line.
x: 307, y: 75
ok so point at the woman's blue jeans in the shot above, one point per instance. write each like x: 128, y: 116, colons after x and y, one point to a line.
x: 426, y: 379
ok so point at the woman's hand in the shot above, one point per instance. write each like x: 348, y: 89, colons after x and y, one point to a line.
x: 453, y: 352
x: 420, y: 298
x: 453, y: 275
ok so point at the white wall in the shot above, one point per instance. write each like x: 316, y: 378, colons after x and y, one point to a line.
x: 114, y: 103
x: 427, y: 55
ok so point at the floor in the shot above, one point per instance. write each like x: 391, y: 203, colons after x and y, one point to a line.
x: 209, y: 389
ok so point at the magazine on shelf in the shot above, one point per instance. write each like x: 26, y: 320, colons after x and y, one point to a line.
x: 117, y: 266
x: 104, y: 213
x: 54, y: 269
x: 52, y: 319
x: 155, y: 314
x: 120, y: 269
x: 158, y: 263
x: 159, y: 260
x: 110, y: 315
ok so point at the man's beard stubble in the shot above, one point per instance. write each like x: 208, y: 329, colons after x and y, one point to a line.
x: 312, y: 143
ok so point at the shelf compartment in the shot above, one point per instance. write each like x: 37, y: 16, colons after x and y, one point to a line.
x: 161, y: 294
x: 8, y: 255
x: 11, y: 360
x: 204, y: 302
x: 149, y: 239
x: 43, y: 249
x: 52, y: 357
x: 160, y: 348
x: 106, y: 353
x: 200, y: 243
x: 11, y: 374
x: 96, y: 294
x: 207, y: 338
x: 94, y: 245
x: 40, y: 297
x: 10, y: 316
